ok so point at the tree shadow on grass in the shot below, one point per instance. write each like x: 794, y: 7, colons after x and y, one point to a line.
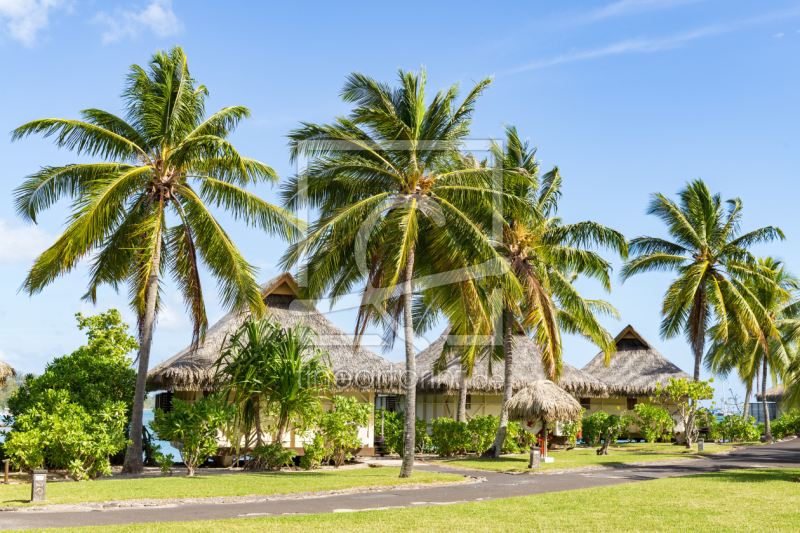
x: 752, y: 475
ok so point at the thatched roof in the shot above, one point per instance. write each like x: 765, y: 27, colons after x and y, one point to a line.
x: 526, y: 368
x: 775, y: 394
x: 635, y: 368
x: 359, y: 370
x: 543, y: 400
x: 6, y: 372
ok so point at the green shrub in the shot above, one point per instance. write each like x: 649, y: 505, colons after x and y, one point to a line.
x: 593, y: 426
x: 314, y: 453
x: 449, y: 437
x: 339, y: 427
x: 572, y: 428
x: 193, y: 427
x: 393, y: 428
x: 164, y: 462
x: 482, y: 431
x: 274, y: 456
x: 62, y: 435
x: 787, y: 424
x: 733, y: 428
x: 655, y: 423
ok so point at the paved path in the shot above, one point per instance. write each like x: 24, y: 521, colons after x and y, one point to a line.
x: 496, y: 486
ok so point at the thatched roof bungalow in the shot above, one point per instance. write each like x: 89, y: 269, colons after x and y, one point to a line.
x: 360, y: 369
x: 526, y: 368
x: 775, y: 394
x: 635, y: 368
x: 6, y: 372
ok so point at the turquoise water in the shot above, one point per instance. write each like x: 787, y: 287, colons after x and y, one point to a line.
x: 166, y: 447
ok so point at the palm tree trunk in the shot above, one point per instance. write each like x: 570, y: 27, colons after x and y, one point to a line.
x: 409, y: 443
x: 500, y: 438
x: 133, y: 456
x: 700, y: 340
x: 748, y: 391
x: 257, y: 420
x: 461, y: 415
x: 767, y: 429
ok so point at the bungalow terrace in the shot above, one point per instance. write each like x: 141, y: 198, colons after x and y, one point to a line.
x: 360, y: 373
x: 632, y: 377
x: 775, y: 403
x: 437, y: 392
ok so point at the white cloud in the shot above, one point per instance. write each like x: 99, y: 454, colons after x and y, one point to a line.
x: 22, y: 244
x: 643, y: 45
x: 23, y: 19
x: 632, y: 7
x: 778, y: 36
x: 157, y: 17
x: 9, y: 357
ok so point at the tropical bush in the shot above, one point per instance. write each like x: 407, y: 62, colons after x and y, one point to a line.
x: 314, y: 453
x: 572, y: 428
x: 340, y: 426
x: 787, y: 424
x: 735, y: 428
x: 393, y: 425
x: 61, y: 435
x: 655, y: 423
x: 449, y: 437
x: 274, y: 456
x: 74, y: 416
x: 592, y: 427
x: 163, y: 461
x: 194, y: 427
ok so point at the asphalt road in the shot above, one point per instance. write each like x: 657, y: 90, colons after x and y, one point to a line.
x: 496, y: 486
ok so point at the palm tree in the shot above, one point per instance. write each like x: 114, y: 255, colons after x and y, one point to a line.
x: 713, y: 264
x: 545, y: 256
x: 782, y: 331
x: 393, y: 218
x: 121, y: 206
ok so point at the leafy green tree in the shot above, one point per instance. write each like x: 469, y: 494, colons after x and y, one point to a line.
x: 394, y: 218
x: 686, y: 394
x: 780, y: 327
x: 164, y: 159
x: 712, y: 262
x: 194, y: 426
x: 93, y: 375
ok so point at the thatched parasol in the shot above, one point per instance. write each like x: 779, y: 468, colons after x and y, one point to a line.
x: 526, y: 368
x: 635, y: 368
x: 6, y: 372
x: 354, y: 369
x: 775, y: 394
x: 543, y: 400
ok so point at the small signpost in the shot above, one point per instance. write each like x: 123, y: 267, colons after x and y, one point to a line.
x: 700, y: 445
x: 38, y: 485
x: 535, y: 454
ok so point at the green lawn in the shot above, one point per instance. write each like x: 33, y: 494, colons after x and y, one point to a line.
x: 201, y: 486
x: 666, y: 447
x: 571, y: 459
x: 737, y: 501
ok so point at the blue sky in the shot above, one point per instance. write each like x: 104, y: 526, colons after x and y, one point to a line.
x: 628, y: 98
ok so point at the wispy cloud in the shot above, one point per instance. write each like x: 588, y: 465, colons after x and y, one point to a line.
x: 631, y: 7
x: 22, y: 244
x: 778, y: 35
x: 24, y: 19
x: 158, y: 17
x: 649, y: 45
